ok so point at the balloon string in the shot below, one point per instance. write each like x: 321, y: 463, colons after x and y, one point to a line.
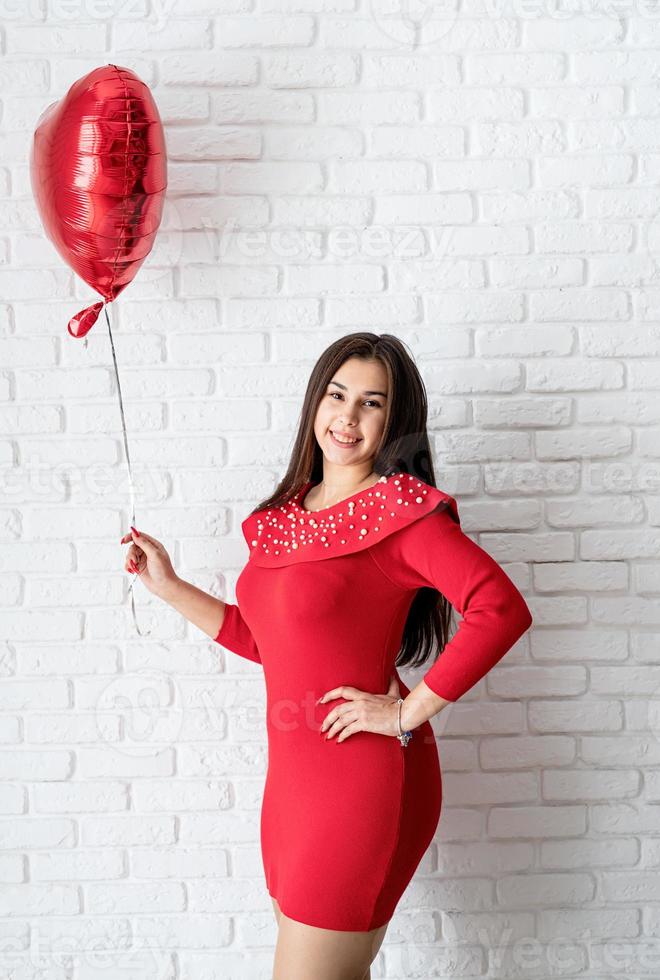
x: 131, y: 486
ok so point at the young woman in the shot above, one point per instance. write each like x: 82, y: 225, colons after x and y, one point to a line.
x: 355, y: 563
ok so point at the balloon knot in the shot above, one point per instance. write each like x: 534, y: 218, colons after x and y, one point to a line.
x: 82, y: 322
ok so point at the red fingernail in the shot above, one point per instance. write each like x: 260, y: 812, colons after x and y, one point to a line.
x: 135, y: 530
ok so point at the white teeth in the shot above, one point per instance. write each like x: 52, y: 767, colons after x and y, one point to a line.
x: 342, y: 439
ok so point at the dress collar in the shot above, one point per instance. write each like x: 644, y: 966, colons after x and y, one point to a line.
x: 287, y: 534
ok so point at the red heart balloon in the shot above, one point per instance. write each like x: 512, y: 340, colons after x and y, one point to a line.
x: 98, y: 169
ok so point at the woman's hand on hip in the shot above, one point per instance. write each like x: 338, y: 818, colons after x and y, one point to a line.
x: 361, y: 711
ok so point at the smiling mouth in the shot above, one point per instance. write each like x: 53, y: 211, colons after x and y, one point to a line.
x: 343, y: 440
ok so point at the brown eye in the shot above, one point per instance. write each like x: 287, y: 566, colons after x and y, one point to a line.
x: 369, y: 401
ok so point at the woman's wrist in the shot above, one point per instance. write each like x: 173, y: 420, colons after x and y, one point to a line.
x: 420, y: 705
x: 398, y: 710
x: 172, y: 590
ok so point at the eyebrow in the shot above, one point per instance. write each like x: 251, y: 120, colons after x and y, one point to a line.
x: 364, y: 392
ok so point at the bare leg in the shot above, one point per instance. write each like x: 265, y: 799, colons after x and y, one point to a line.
x: 307, y: 953
x: 276, y: 910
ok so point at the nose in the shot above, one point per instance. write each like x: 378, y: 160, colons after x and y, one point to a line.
x: 347, y: 416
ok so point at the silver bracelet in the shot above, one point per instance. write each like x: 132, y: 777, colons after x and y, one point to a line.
x: 404, y: 737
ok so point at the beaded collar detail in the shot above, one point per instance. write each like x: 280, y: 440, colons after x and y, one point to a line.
x: 288, y: 533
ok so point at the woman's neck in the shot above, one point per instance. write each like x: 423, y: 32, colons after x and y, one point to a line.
x: 325, y: 495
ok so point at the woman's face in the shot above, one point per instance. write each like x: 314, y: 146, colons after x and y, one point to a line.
x: 355, y: 404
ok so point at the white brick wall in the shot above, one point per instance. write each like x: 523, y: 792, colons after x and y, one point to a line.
x: 491, y: 195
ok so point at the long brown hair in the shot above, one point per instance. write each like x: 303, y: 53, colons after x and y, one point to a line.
x: 404, y: 448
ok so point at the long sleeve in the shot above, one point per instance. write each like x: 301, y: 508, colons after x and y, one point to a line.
x: 235, y: 635
x: 435, y: 552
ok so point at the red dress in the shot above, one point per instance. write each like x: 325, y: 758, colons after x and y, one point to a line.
x: 322, y: 602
